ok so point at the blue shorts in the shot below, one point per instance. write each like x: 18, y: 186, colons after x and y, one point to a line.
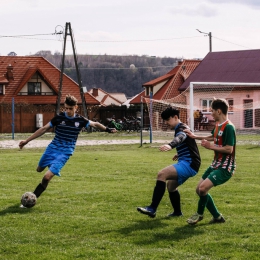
x: 184, y: 171
x: 54, y: 160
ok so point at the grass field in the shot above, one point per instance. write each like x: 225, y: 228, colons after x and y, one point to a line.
x: 90, y: 212
x: 157, y: 135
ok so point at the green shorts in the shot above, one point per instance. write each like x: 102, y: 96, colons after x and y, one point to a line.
x: 217, y: 176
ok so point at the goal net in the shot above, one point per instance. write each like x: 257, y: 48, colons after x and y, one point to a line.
x: 243, y: 99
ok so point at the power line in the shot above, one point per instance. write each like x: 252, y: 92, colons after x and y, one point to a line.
x: 231, y: 42
x: 29, y: 35
x: 152, y: 40
x: 38, y: 39
x: 141, y: 40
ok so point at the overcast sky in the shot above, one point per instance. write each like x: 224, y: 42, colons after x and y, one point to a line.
x: 130, y: 27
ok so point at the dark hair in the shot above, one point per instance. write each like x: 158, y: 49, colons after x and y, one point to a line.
x: 71, y: 100
x: 170, y: 112
x: 220, y: 103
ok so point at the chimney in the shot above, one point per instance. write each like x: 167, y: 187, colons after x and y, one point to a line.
x: 95, y: 92
x: 9, y: 73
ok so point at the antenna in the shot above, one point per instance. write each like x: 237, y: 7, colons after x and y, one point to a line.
x: 68, y: 31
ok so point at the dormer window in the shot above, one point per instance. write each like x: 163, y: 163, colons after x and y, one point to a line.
x: 34, y: 88
x: 2, y: 90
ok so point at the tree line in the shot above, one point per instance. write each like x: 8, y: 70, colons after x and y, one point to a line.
x: 112, y: 73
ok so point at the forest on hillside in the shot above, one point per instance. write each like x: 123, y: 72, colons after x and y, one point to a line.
x: 112, y: 73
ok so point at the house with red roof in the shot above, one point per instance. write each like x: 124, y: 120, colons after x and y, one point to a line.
x: 108, y: 99
x: 33, y: 84
x: 112, y: 105
x: 228, y: 70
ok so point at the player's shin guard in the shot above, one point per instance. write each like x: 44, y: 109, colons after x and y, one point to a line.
x: 39, y: 190
x: 158, y: 193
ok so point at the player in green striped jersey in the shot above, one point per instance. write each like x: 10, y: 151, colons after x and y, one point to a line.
x: 223, y: 165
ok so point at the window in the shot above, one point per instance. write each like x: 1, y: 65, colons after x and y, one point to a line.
x: 231, y: 105
x: 206, y: 105
x: 1, y: 89
x: 34, y: 88
x: 148, y: 91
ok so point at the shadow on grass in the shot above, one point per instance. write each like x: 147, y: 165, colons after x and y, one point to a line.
x: 253, y: 147
x: 142, y: 225
x: 15, y: 209
x: 154, y: 231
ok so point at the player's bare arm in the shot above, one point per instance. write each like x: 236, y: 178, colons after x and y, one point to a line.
x: 165, y: 148
x: 224, y: 149
x: 35, y: 135
x: 101, y: 127
x: 193, y: 136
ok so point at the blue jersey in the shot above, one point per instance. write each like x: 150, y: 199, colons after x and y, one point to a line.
x: 186, y: 147
x: 67, y: 130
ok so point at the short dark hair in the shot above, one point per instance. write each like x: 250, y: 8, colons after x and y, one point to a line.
x: 70, y: 100
x: 170, y: 112
x: 220, y: 103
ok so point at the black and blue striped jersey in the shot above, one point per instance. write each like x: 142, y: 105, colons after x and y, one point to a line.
x: 186, y: 147
x: 67, y: 130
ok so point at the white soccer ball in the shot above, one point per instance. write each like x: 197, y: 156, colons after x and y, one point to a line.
x: 28, y: 199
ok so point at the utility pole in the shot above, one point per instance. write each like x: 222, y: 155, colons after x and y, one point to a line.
x: 210, y: 42
x: 210, y: 38
x: 68, y: 31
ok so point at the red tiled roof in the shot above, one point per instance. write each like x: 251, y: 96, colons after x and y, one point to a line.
x: 173, y: 80
x: 184, y: 71
x: 161, y: 92
x: 3, y: 80
x: 104, y: 98
x: 168, y: 75
x: 90, y: 100
x: 154, y: 82
x: 29, y: 73
x: 23, y: 69
x: 137, y: 98
x: 227, y: 66
x: 106, y: 95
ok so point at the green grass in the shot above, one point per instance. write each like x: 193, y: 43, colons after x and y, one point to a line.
x: 90, y: 212
x: 156, y: 135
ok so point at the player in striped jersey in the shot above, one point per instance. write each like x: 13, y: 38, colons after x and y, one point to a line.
x: 188, y: 165
x: 67, y: 125
x: 223, y: 165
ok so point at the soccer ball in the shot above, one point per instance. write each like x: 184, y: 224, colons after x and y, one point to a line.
x: 28, y: 199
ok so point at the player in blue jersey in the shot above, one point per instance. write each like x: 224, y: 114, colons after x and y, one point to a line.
x: 187, y: 166
x: 67, y: 125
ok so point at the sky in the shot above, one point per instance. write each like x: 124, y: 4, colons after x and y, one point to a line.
x: 166, y: 28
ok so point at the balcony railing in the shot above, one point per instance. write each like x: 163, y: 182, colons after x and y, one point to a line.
x: 36, y: 94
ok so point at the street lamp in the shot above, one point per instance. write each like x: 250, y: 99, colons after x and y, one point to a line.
x: 210, y: 39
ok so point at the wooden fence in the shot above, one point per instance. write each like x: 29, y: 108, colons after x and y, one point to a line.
x: 25, y: 115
